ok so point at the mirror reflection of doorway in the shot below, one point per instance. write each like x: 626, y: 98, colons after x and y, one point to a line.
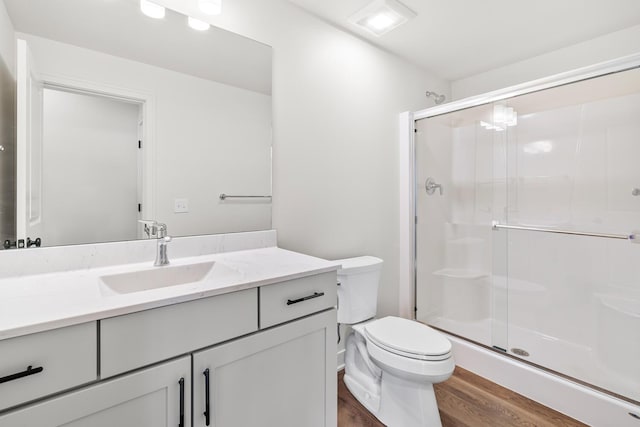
x: 90, y: 166
x: 7, y: 154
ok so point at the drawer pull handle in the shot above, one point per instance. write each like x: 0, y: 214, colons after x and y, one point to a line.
x: 295, y: 301
x: 30, y: 371
x: 207, y: 413
x: 181, y: 382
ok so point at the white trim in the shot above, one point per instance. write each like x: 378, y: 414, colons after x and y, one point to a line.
x: 406, y: 279
x: 148, y: 103
x: 577, y: 401
x: 21, y: 138
x: 616, y: 65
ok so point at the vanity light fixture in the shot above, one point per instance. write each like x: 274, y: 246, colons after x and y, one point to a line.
x: 382, y: 16
x: 152, y: 10
x: 197, y: 24
x: 210, y: 7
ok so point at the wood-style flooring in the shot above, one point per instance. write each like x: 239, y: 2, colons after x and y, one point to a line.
x: 465, y: 400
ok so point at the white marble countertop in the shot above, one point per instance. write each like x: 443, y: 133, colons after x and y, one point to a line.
x: 37, y: 303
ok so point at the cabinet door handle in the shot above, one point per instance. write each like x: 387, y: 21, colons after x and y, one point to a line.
x: 207, y: 412
x: 308, y: 297
x: 29, y: 371
x: 181, y: 382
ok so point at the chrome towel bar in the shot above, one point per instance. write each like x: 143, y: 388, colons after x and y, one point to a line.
x: 633, y: 238
x: 228, y: 196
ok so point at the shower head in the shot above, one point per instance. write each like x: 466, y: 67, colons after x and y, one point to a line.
x: 439, y: 99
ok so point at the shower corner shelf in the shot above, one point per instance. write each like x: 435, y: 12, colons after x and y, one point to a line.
x: 461, y: 273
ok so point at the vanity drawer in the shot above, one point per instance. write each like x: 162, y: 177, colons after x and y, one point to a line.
x: 296, y: 298
x: 59, y: 359
x: 140, y: 339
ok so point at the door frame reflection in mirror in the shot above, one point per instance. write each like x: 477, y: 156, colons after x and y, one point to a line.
x: 147, y: 103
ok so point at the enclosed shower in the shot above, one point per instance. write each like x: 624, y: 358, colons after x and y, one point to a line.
x: 527, y: 224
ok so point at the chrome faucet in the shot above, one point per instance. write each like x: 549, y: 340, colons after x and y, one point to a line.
x: 159, y: 230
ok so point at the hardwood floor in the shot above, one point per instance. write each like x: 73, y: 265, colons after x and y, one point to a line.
x: 465, y: 400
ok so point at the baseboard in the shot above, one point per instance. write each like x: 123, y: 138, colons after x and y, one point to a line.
x: 574, y: 400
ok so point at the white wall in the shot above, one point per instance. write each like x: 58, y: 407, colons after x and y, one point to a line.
x: 336, y: 102
x: 608, y: 47
x: 210, y: 138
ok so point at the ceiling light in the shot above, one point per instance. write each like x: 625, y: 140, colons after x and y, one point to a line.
x: 210, y: 7
x: 152, y: 10
x: 380, y: 21
x: 382, y: 16
x: 197, y: 24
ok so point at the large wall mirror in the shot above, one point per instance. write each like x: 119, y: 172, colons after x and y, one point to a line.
x: 108, y: 116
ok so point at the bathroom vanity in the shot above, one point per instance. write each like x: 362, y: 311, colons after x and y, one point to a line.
x: 250, y: 340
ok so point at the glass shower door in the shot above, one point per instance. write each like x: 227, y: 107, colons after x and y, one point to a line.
x: 574, y: 299
x: 524, y: 211
x: 461, y: 184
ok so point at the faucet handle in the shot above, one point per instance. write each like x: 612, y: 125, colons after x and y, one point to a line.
x: 162, y: 230
x: 150, y: 226
x: 154, y: 228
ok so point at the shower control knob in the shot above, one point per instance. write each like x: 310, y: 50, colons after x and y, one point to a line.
x: 635, y: 192
x: 431, y: 185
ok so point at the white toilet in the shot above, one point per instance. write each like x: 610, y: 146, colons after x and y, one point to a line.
x: 392, y: 363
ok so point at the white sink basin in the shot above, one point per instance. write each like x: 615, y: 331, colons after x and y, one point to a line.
x: 162, y: 277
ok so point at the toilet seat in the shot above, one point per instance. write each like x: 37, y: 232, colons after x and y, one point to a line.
x: 408, y: 338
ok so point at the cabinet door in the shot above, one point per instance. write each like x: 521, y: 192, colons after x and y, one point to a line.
x: 284, y: 376
x: 149, y: 398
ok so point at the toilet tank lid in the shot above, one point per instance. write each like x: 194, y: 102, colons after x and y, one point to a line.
x: 359, y: 264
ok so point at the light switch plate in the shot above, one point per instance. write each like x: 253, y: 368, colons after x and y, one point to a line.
x: 181, y: 205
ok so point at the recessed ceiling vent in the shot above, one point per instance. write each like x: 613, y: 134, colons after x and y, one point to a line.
x: 381, y: 16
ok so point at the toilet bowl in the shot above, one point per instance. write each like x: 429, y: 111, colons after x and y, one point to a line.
x: 391, y: 363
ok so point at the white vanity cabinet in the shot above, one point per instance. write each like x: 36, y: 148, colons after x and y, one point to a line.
x: 153, y: 397
x: 36, y: 365
x: 140, y: 339
x: 284, y: 377
x: 269, y: 354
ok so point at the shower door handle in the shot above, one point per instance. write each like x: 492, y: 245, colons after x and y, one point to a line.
x: 430, y: 186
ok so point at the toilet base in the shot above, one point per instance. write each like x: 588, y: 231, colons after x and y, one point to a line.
x: 401, y: 403
x: 406, y: 403
x: 396, y: 400
x: 369, y: 400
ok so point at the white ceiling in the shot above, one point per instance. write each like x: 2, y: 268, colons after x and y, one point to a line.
x: 458, y: 38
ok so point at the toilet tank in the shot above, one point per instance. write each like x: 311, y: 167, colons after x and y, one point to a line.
x: 358, y: 288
